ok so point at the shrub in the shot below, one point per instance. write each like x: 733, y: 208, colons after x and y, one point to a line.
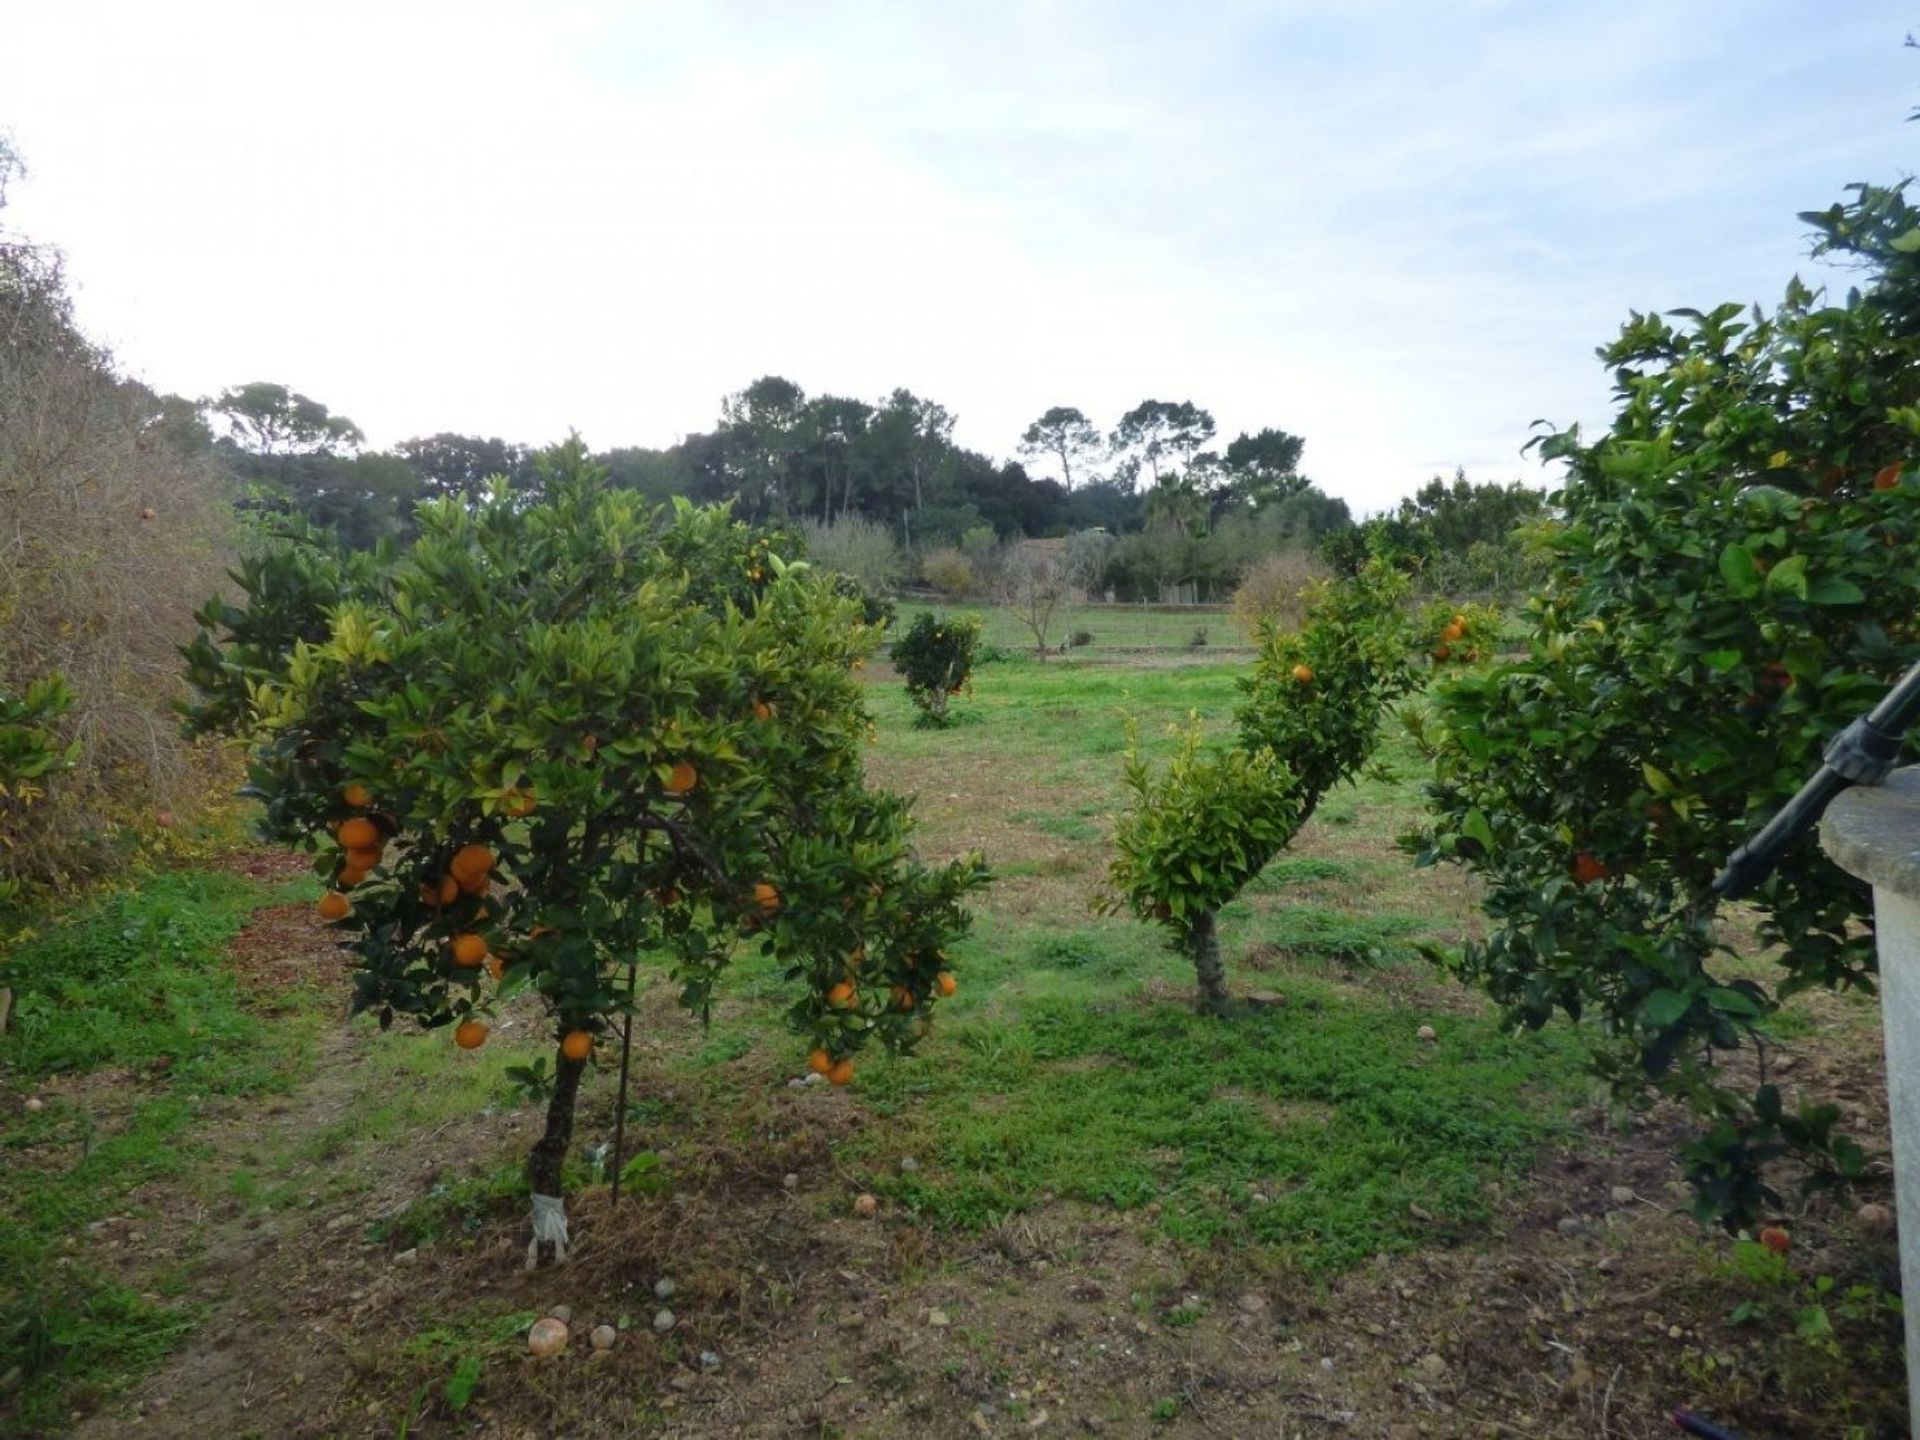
x: 1033, y: 586
x: 858, y: 547
x: 30, y: 751
x: 115, y: 521
x: 1274, y: 589
x: 950, y: 573
x: 1734, y: 582
x: 665, y: 765
x: 936, y: 658
x: 1080, y: 639
x: 1198, y: 640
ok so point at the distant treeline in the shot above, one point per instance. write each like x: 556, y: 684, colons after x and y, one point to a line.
x: 1188, y: 518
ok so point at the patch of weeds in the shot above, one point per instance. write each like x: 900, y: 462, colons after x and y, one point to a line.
x: 1341, y: 937
x: 724, y: 1047
x: 1292, y: 870
x: 457, y: 1207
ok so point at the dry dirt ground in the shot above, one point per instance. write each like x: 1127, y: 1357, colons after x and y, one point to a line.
x: 1587, y: 1308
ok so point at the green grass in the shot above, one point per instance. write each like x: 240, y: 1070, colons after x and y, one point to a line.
x: 1069, y: 1065
x: 1113, y: 627
x: 131, y: 982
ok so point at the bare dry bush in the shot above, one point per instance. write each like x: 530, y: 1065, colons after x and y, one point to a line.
x: 1274, y: 588
x: 114, y: 526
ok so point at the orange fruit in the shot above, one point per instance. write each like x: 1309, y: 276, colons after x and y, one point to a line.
x: 762, y: 710
x: 577, y: 1045
x: 902, y: 998
x: 470, y: 862
x: 349, y: 876
x: 358, y: 859
x: 1776, y: 1239
x: 945, y: 982
x: 469, y: 950
x: 334, y: 906
x: 470, y: 1035
x: 841, y: 1073
x: 670, y: 896
x: 819, y: 1062
x: 496, y: 967
x: 449, y: 890
x: 1453, y: 631
x: 1303, y: 674
x: 1588, y: 867
x: 360, y: 833
x: 766, y: 897
x: 475, y: 884
x: 357, y: 795
x: 682, y: 778
x: 1887, y: 478
x: 517, y: 804
x: 1444, y: 653
x: 858, y: 957
x: 840, y: 996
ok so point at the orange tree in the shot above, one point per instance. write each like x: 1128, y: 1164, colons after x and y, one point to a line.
x: 1309, y: 720
x: 555, y: 739
x: 935, y: 658
x: 1734, y: 583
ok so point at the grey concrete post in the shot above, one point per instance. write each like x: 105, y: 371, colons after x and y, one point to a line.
x: 1874, y: 833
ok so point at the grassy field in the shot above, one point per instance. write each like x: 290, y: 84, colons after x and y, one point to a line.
x: 1123, y: 1214
x: 1114, y: 628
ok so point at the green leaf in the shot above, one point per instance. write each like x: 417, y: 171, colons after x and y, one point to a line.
x: 1908, y: 243
x: 1475, y: 827
x: 1790, y: 575
x: 1664, y: 1008
x: 1657, y: 780
x: 460, y: 1384
x: 1738, y: 570
x: 1835, y: 592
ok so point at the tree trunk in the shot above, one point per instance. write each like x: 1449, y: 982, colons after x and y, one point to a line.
x: 1203, y: 940
x: 549, y: 1156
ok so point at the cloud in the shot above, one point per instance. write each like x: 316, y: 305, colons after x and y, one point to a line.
x: 1395, y: 228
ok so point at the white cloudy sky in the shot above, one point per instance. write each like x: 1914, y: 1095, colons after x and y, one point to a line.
x: 1394, y: 226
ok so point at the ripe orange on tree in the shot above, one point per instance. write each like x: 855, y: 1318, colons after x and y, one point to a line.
x: 471, y: 863
x: 762, y: 710
x: 335, y: 906
x: 682, y: 778
x: 1588, y: 867
x: 357, y: 795
x: 577, y: 1045
x: 840, y: 996
x: 359, y: 833
x: 1303, y: 673
x: 766, y: 897
x: 1888, y: 477
x: 470, y: 1035
x: 469, y: 950
x: 517, y: 803
x: 819, y: 1062
x: 946, y: 983
x: 841, y: 1073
